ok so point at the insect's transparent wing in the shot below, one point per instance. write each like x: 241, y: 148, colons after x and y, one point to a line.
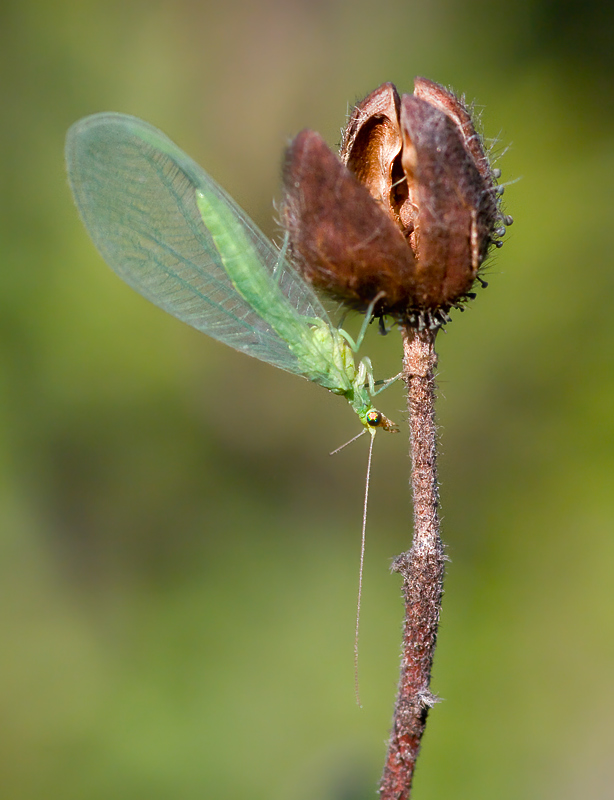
x: 135, y: 191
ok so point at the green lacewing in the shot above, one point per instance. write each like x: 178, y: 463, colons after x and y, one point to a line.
x: 173, y: 234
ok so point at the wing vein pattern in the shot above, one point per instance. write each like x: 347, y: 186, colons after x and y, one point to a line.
x: 136, y: 192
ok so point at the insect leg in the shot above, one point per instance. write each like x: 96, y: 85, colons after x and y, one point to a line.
x: 385, y: 384
x: 368, y: 318
x: 365, y: 375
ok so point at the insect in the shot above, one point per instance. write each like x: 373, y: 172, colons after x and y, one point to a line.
x: 173, y: 234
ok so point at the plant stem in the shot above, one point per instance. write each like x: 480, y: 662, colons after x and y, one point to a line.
x: 422, y: 569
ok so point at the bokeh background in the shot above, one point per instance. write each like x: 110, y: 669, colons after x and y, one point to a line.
x: 179, y: 555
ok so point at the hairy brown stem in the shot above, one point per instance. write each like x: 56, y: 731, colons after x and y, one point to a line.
x: 422, y: 569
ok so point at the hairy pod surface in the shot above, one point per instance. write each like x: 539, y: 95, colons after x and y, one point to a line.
x: 408, y: 210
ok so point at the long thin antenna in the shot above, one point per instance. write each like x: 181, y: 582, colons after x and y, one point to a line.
x: 353, y: 439
x: 362, y: 561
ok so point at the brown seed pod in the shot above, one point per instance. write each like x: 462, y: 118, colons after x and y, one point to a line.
x: 341, y: 239
x: 409, y: 210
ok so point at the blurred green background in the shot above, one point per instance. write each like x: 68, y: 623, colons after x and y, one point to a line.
x: 179, y: 555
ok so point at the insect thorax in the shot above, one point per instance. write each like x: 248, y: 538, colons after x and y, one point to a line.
x: 331, y: 358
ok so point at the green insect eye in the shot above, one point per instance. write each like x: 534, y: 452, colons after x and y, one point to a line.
x: 374, y: 418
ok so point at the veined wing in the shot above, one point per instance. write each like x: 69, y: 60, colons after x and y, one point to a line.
x: 136, y: 193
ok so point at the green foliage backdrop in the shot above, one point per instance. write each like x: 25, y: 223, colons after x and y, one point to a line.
x: 178, y: 554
